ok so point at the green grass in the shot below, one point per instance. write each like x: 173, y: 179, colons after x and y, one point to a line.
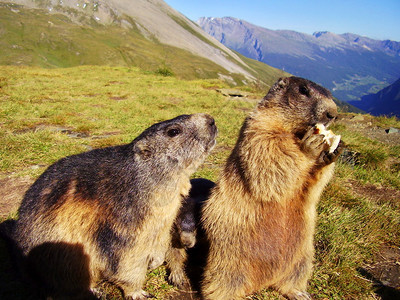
x: 377, y: 162
x: 112, y: 105
x: 97, y: 101
x: 350, y: 230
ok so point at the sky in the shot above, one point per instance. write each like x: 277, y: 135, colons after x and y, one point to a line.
x: 377, y: 19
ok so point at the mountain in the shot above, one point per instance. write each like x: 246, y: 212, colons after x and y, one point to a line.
x: 349, y: 65
x: 144, y: 33
x: 385, y: 102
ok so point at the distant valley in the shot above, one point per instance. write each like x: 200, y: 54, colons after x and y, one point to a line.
x: 385, y: 102
x: 350, y: 65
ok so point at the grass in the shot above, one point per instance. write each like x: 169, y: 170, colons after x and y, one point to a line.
x: 377, y: 161
x: 350, y: 231
x: 96, y: 101
x: 42, y: 109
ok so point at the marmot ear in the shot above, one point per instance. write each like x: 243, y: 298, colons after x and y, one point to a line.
x: 143, y: 150
x: 279, y: 85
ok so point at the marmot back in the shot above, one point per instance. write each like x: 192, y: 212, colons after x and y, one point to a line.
x: 107, y: 213
x: 260, y: 217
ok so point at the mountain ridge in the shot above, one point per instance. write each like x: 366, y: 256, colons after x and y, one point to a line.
x: 348, y: 64
x: 325, y: 38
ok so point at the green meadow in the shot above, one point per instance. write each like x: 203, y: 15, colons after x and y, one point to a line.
x: 47, y: 114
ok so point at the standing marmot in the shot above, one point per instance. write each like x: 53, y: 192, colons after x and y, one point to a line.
x: 260, y: 217
x: 107, y: 213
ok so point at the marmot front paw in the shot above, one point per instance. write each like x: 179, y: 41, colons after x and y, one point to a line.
x: 322, y: 144
x: 330, y: 157
x: 139, y: 295
x: 314, y: 144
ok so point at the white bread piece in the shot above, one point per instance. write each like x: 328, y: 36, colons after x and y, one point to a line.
x: 329, y: 137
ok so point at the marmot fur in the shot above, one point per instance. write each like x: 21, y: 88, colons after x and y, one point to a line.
x: 260, y: 217
x: 107, y: 214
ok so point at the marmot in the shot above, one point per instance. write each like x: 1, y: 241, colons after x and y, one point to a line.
x: 185, y: 230
x: 260, y: 217
x: 107, y: 214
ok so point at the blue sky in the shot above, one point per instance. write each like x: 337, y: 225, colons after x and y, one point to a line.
x: 378, y: 19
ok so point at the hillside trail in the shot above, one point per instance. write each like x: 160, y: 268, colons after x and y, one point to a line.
x: 383, y: 271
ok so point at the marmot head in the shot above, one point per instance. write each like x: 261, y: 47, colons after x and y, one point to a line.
x: 301, y: 103
x: 176, y: 144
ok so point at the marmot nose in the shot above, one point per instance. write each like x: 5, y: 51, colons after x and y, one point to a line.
x: 206, y: 121
x: 211, y: 122
x: 331, y: 115
x: 212, y: 128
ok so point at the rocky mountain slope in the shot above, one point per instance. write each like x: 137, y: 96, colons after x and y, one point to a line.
x: 144, y: 33
x: 385, y: 102
x: 348, y: 64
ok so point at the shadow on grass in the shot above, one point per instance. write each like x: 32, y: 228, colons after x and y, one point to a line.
x: 385, y: 292
x: 49, y: 265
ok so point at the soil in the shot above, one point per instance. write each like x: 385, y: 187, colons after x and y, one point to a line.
x: 376, y: 193
x: 384, y: 271
x: 12, y: 190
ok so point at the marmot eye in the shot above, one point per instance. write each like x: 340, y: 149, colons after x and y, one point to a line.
x: 304, y: 91
x: 173, y: 132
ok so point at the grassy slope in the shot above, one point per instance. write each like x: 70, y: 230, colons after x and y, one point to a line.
x: 112, y: 105
x: 35, y: 37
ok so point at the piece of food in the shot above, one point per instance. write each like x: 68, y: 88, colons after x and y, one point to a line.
x: 329, y: 137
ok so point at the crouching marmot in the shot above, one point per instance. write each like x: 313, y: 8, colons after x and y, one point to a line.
x: 185, y: 230
x: 107, y: 214
x: 260, y: 217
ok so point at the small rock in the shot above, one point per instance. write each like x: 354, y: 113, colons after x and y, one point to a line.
x: 350, y: 157
x: 232, y: 93
x: 88, y: 147
x: 358, y: 118
x: 37, y: 167
x: 392, y: 130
